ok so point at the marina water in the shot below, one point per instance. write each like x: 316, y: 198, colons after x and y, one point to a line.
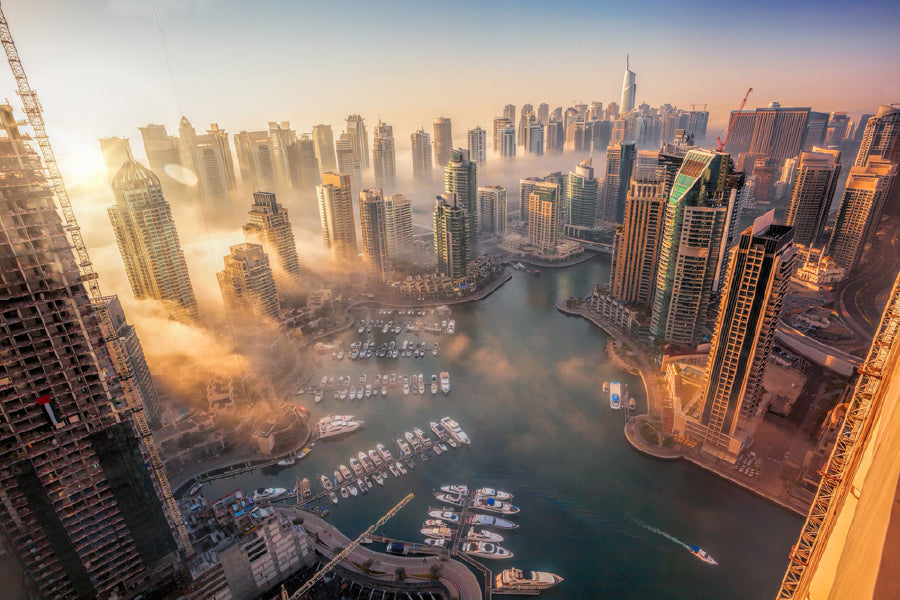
x: 526, y: 386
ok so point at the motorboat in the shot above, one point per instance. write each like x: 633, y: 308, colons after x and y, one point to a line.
x: 375, y: 458
x: 443, y: 447
x: 269, y: 494
x: 410, y: 463
x: 326, y: 483
x: 437, y: 449
x: 462, y: 490
x: 485, y: 550
x: 615, y: 395
x: 333, y: 497
x: 345, y: 493
x: 286, y: 462
x: 378, y: 478
x: 436, y: 532
x: 353, y: 491
x: 451, y: 327
x: 702, y: 555
x: 406, y: 389
x: 357, y: 468
x: 394, y: 471
x: 362, y: 486
x: 490, y: 521
x: 455, y: 430
x: 482, y: 535
x: 445, y: 382
x: 439, y: 431
x: 345, y: 472
x: 401, y: 468
x: 492, y: 493
x: 524, y: 580
x: 384, y: 452
x: 452, y: 499
x: 366, y: 463
x: 338, y: 478
x: 494, y: 505
x: 443, y: 543
x: 448, y: 516
x: 404, y: 447
x: 413, y: 440
x: 423, y: 437
x: 368, y: 482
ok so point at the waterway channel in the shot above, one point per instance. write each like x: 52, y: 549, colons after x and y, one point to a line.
x: 526, y: 387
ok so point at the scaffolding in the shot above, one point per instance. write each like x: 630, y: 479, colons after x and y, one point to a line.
x: 837, y: 475
x: 33, y: 111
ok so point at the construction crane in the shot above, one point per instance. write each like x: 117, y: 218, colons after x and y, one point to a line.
x: 719, y: 140
x: 33, y: 111
x: 345, y: 552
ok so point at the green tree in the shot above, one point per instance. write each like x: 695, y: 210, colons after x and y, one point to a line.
x: 400, y: 574
x: 367, y: 566
x: 434, y: 572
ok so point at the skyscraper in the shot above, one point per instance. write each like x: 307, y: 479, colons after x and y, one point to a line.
x: 696, y: 222
x: 492, y: 209
x: 543, y: 112
x: 581, y: 195
x: 336, y: 214
x: 524, y: 119
x: 359, y: 140
x: 500, y: 123
x: 554, y: 136
x: 281, y: 137
x: 148, y: 241
x: 508, y: 142
x: 398, y: 220
x: 509, y: 112
x: 164, y: 157
x: 347, y: 159
x: 620, y: 159
x: 79, y: 508
x: 544, y: 216
x: 460, y: 178
x: 247, y: 285
x: 478, y: 145
x: 815, y: 180
x: 881, y: 137
x: 451, y: 237
x: 861, y: 207
x: 758, y: 275
x: 269, y: 227
x: 443, y: 141
x: 629, y: 89
x: 535, y: 142
x: 383, y: 155
x: 116, y: 152
x: 303, y: 164
x: 323, y: 139
x: 526, y: 186
x: 209, y: 156
x: 131, y: 360
x: 636, y: 253
x: 373, y: 224
x: 773, y: 132
x: 421, y: 155
x: 257, y: 160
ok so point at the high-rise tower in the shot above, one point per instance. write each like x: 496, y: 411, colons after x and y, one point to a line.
x: 383, y: 155
x: 460, y: 178
x: 421, y: 155
x: 323, y: 138
x: 359, y: 140
x: 347, y: 159
x: 164, y: 157
x: 478, y: 145
x: 269, y: 226
x: 500, y: 123
x: 629, y: 89
x: 116, y: 152
x: 247, y: 285
x: 815, y: 179
x: 492, y: 209
x: 582, y: 195
x: 881, y: 137
x: 443, y: 141
x: 373, y: 224
x: 148, y: 241
x: 544, y: 207
x: 452, y: 241
x: 336, y: 214
x: 620, y: 159
x: 79, y: 505
x: 257, y: 160
x: 398, y: 220
x: 633, y: 278
x: 749, y: 310
x: 508, y: 142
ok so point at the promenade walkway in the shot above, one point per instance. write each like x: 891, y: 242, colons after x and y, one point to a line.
x: 456, y: 577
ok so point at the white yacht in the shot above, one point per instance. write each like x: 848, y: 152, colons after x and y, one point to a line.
x: 436, y: 532
x: 485, y: 550
x: 492, y: 493
x: 454, y: 430
x: 525, y: 580
x: 445, y: 382
x: 483, y: 535
x: 462, y: 490
x: 269, y: 494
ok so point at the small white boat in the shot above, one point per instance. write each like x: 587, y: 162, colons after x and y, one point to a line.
x: 445, y: 382
x: 345, y: 472
x: 344, y: 493
x: 378, y: 478
x: 333, y: 497
x: 401, y: 468
x: 353, y: 491
x: 362, y: 486
x: 451, y: 499
x: 439, y: 543
x: 702, y: 555
x: 435, y: 523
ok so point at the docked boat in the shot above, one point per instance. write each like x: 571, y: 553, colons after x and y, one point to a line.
x: 378, y: 478
x: 384, y: 452
x: 437, y: 449
x: 443, y: 543
x: 353, y: 491
x: 367, y: 464
x: 451, y: 499
x: 445, y: 382
x: 434, y: 351
x: 286, y: 462
x: 353, y: 393
x: 631, y: 404
x: 404, y: 447
x: 375, y: 458
x: 406, y: 389
x: 396, y: 548
x: 413, y: 440
x: 436, y: 532
x: 421, y: 384
x: 455, y: 430
x: 333, y: 497
x: 434, y: 388
x: 369, y: 391
x: 435, y: 523
x: 462, y: 490
x: 345, y: 493
x: 494, y: 505
x: 319, y: 396
x: 338, y: 478
x: 482, y: 535
x: 394, y: 471
x: 326, y: 483
x: 269, y: 494
x: 334, y: 425
x: 451, y: 327
x: 615, y: 395
x: 605, y: 386
x: 368, y: 482
x: 345, y: 472
x: 492, y: 493
x: 422, y: 436
x: 452, y: 443
x: 448, y: 516
x: 344, y: 393
x: 490, y: 521
x: 362, y: 486
x: 702, y: 555
x: 485, y: 550
x: 410, y: 462
x: 401, y: 468
x: 442, y: 446
x: 439, y: 431
x: 357, y: 468
x: 524, y: 580
x: 383, y: 390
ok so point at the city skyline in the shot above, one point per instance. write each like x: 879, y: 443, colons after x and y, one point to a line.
x: 208, y: 91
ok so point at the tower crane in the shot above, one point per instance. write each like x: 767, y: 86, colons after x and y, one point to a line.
x: 720, y: 141
x: 337, y: 558
x: 34, y: 112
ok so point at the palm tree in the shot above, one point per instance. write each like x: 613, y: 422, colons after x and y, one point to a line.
x: 434, y: 571
x: 400, y: 574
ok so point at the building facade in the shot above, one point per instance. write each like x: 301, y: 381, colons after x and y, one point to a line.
x: 478, y: 145
x: 398, y: 220
x: 620, y: 159
x: 452, y: 241
x: 336, y: 215
x: 323, y: 139
x: 247, y: 285
x: 629, y: 88
x: 461, y: 178
x: 544, y: 207
x: 636, y: 252
x: 421, y: 155
x: 383, y: 159
x: 581, y: 195
x: 270, y: 227
x: 814, y: 182
x: 443, y: 141
x: 492, y: 209
x: 373, y: 224
x: 359, y: 140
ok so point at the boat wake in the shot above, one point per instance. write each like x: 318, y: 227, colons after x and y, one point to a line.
x: 668, y: 536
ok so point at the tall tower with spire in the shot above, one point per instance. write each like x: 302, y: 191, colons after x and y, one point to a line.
x: 629, y: 88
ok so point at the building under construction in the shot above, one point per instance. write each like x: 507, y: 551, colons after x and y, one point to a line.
x: 78, y: 503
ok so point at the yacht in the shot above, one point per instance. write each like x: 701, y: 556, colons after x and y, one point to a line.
x: 421, y: 384
x: 702, y: 555
x: 364, y: 460
x: 393, y: 469
x: 286, y: 462
x: 334, y: 425
x: 413, y: 440
x: 525, y: 580
x: 445, y: 382
x: 493, y: 505
x: 448, y: 516
x: 345, y: 493
x: 345, y: 472
x: 436, y: 532
x: 353, y: 491
x: 443, y: 543
x: 462, y: 490
x: 406, y: 389
x: 483, y: 535
x: 492, y: 493
x: 435, y: 523
x: 338, y: 478
x: 404, y: 447
x: 357, y: 468
x: 454, y: 430
x: 384, y: 452
x: 451, y: 499
x: 438, y: 430
x: 422, y: 436
x: 368, y: 482
x: 362, y: 486
x: 378, y: 478
x: 451, y: 326
x: 269, y: 494
x: 615, y: 391
x: 485, y: 550
x: 490, y: 521
x: 434, y: 385
x: 375, y: 458
x: 333, y: 497
x: 326, y: 483
x: 401, y: 468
